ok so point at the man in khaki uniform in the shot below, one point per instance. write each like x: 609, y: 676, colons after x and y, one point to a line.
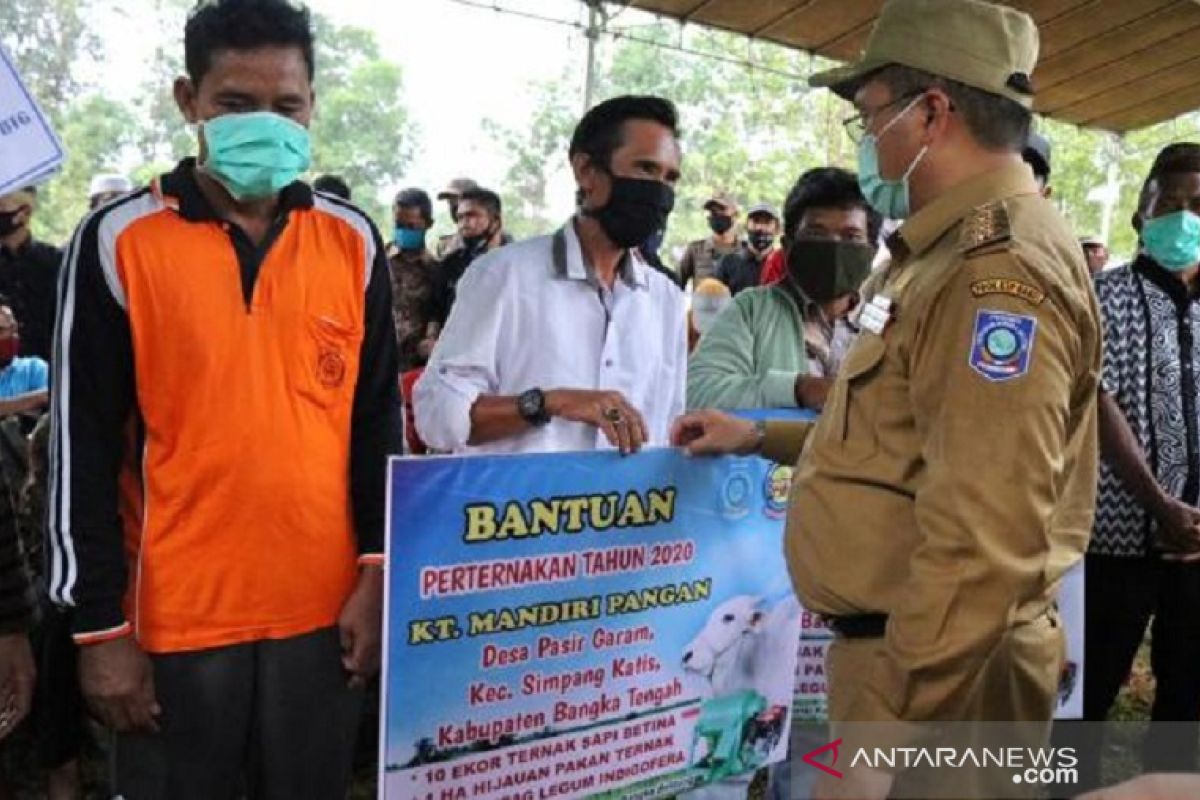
x: 452, y: 241
x: 701, y: 257
x: 950, y: 481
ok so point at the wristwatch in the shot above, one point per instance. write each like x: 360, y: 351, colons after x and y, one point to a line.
x: 531, y: 405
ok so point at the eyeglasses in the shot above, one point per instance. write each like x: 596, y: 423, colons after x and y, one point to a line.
x: 856, y: 126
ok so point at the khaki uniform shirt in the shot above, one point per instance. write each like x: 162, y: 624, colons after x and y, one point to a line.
x: 700, y: 260
x: 951, y: 480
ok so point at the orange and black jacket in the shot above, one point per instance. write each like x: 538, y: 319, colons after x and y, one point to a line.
x: 222, y: 417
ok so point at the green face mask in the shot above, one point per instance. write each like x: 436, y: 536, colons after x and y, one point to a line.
x: 254, y: 155
x: 826, y: 269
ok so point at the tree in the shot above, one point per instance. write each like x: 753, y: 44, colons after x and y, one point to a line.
x: 47, y: 39
x: 746, y: 130
x: 360, y: 129
x: 51, y: 42
x: 538, y: 154
x: 95, y: 131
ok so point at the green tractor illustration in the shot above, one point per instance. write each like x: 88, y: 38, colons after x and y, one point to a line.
x: 739, y: 731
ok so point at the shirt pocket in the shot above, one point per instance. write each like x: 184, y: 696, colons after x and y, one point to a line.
x: 328, y: 360
x: 850, y: 408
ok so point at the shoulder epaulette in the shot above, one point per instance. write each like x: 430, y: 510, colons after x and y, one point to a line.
x: 984, y: 228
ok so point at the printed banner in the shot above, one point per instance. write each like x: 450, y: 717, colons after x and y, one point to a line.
x: 577, y: 625
x: 29, y: 149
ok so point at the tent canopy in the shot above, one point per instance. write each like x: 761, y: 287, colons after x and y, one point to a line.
x: 1117, y: 65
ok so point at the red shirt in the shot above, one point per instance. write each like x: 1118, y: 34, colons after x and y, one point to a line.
x: 773, y: 269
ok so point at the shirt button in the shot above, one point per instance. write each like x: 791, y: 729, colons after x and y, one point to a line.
x: 608, y: 362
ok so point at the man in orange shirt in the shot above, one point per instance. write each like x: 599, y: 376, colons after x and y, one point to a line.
x: 225, y: 403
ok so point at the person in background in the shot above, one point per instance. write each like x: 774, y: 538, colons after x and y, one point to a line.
x: 28, y: 272
x: 416, y: 301
x: 1141, y: 560
x: 24, y: 380
x: 570, y: 341
x: 449, y: 243
x: 58, y: 715
x: 700, y: 258
x: 742, y: 269
x: 481, y: 230
x: 1036, y: 154
x: 104, y: 188
x: 334, y: 185
x: 709, y: 299
x: 224, y: 569
x: 417, y: 298
x: 780, y: 346
x: 22, y: 387
x: 1095, y: 252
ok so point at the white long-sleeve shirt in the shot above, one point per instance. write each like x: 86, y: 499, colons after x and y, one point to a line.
x: 532, y: 315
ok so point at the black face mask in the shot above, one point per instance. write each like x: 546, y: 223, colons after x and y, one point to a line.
x: 636, y: 208
x: 478, y: 243
x: 720, y: 223
x: 826, y: 269
x: 761, y: 240
x: 8, y: 221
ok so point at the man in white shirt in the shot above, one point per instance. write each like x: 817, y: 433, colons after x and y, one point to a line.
x: 571, y: 341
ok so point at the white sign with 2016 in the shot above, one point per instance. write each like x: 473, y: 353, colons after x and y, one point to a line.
x: 30, y: 151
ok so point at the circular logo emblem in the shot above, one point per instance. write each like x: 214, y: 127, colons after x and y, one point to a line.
x: 777, y: 487
x: 1002, y: 344
x: 331, y: 368
x: 735, y: 495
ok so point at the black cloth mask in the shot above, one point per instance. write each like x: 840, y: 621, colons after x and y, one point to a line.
x: 635, y: 210
x: 720, y: 223
x: 825, y: 269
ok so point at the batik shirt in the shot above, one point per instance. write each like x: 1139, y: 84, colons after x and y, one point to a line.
x: 1151, y: 362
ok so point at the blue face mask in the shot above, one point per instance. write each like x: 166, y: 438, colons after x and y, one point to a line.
x: 254, y: 155
x: 888, y: 197
x: 1173, y: 240
x: 409, y: 238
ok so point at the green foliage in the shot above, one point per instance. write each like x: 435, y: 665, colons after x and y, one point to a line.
x: 747, y: 131
x: 538, y: 153
x: 753, y: 131
x: 95, y: 130
x: 47, y: 39
x: 360, y: 129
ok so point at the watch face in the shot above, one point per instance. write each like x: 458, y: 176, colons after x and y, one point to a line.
x: 530, y: 404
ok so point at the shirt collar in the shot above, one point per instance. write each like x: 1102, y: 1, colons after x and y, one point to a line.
x: 923, y: 229
x: 569, y: 263
x: 1174, y: 288
x: 179, y: 190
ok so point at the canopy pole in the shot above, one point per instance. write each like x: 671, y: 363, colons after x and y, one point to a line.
x: 594, y: 29
x: 1112, y: 189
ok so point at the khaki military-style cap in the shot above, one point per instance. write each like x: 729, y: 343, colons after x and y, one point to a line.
x: 723, y: 202
x: 984, y: 45
x: 456, y: 188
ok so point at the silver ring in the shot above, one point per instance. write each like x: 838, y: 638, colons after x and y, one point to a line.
x: 614, y: 416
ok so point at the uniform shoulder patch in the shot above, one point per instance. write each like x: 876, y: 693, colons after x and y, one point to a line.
x: 1002, y: 344
x: 1009, y: 286
x: 985, y: 227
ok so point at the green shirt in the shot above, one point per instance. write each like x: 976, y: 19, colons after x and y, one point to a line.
x: 751, y: 355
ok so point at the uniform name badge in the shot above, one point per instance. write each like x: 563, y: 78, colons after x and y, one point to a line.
x: 1002, y: 345
x: 876, y: 315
